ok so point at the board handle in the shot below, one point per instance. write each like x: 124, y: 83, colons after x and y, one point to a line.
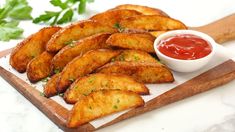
x: 221, y: 30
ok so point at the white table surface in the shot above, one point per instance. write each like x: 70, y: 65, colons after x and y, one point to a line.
x: 212, y: 111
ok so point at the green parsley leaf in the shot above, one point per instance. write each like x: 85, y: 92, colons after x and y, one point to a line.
x: 10, y: 30
x: 65, y: 14
x: 59, y: 3
x: 21, y: 11
x: 82, y: 7
x: 12, y: 10
x: 67, y: 17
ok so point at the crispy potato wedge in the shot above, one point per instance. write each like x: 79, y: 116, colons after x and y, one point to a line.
x: 157, y: 33
x: 30, y: 48
x: 95, y: 82
x: 102, y: 103
x: 78, y: 48
x: 143, y: 9
x: 82, y: 65
x: 111, y: 17
x: 135, y: 56
x: 135, y: 41
x: 39, y: 67
x: 141, y: 72
x: 75, y: 32
x: 49, y: 89
x: 152, y: 22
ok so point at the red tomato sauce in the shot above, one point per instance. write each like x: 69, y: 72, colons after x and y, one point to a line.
x: 185, y: 47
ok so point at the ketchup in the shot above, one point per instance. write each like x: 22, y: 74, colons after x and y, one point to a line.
x: 185, y: 47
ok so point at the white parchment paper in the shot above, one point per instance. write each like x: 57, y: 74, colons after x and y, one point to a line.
x: 221, y: 55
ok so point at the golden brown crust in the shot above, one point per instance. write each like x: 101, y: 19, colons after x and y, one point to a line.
x: 102, y: 103
x: 39, y: 67
x: 141, y: 72
x: 94, y: 82
x: 66, y: 54
x: 152, y: 23
x: 157, y: 33
x: 75, y: 32
x: 135, y: 41
x: 82, y: 65
x: 30, y: 47
x: 143, y: 9
x: 111, y: 17
x: 49, y: 89
x: 135, y: 56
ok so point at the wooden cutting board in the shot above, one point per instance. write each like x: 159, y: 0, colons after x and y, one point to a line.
x: 221, y: 30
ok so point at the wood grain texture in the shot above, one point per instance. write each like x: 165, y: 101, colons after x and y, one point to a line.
x: 221, y: 30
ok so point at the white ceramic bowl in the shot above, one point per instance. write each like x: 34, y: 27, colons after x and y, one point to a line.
x: 184, y: 65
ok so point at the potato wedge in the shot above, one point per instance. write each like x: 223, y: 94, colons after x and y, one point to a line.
x: 102, y: 103
x: 49, y: 89
x: 82, y: 65
x: 95, y: 82
x: 157, y: 33
x: 152, y: 22
x: 75, y: 32
x: 135, y: 41
x: 135, y: 56
x: 111, y: 17
x: 78, y: 48
x: 39, y: 67
x: 143, y: 9
x: 31, y: 47
x: 141, y: 72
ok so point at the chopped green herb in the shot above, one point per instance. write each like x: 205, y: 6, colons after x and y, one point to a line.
x: 68, y: 42
x: 45, y: 79
x: 85, y: 94
x: 122, y: 57
x: 118, y: 100
x: 113, y: 59
x: 136, y: 58
x: 42, y: 94
x: 119, y: 27
x: 56, y: 71
x: 76, y: 87
x: 91, y: 79
x: 115, y: 107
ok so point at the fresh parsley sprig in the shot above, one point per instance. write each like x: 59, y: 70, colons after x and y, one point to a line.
x: 10, y: 14
x: 66, y: 13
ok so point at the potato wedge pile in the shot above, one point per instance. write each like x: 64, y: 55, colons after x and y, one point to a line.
x: 101, y: 64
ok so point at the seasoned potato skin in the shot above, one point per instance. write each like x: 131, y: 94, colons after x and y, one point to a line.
x: 95, y: 82
x: 82, y: 65
x: 152, y: 23
x: 135, y: 41
x: 135, y: 56
x: 75, y: 32
x: 141, y: 72
x: 111, y: 17
x: 143, y: 9
x: 39, y: 67
x: 102, y: 103
x: 49, y: 89
x: 157, y: 33
x: 31, y: 47
x: 66, y: 54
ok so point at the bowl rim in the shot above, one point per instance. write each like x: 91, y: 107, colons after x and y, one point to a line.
x: 204, y: 36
